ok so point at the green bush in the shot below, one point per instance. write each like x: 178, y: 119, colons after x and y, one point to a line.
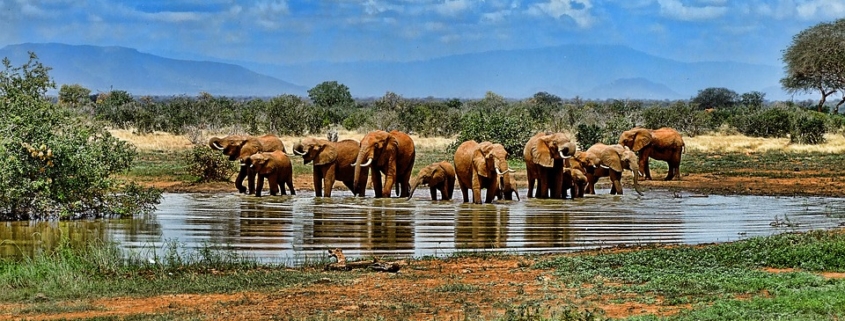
x: 772, y: 122
x: 588, y: 135
x: 208, y: 164
x: 54, y: 163
x: 809, y: 128
x: 497, y: 124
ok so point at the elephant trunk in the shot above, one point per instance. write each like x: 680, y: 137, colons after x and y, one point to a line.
x: 500, y: 192
x: 636, y: 182
x: 358, y: 164
x: 414, y: 185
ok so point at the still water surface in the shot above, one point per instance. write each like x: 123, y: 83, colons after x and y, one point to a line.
x: 290, y: 229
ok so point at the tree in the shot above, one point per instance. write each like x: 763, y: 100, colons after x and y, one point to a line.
x: 54, y: 163
x: 752, y: 99
x: 815, y: 62
x: 331, y: 94
x: 74, y: 96
x: 715, y: 98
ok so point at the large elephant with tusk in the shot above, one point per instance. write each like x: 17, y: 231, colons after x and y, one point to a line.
x: 240, y: 148
x: 544, y: 156
x: 331, y: 162
x: 391, y: 154
x: 482, y: 165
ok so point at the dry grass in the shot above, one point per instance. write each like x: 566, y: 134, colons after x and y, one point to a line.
x: 160, y: 141
x: 740, y: 143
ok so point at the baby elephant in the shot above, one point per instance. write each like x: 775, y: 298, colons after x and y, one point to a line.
x: 276, y: 167
x: 438, y: 176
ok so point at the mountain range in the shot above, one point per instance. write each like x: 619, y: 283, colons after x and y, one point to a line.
x: 588, y: 71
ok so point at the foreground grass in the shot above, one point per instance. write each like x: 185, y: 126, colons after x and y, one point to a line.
x: 720, y: 282
x: 715, y: 282
x: 103, y: 270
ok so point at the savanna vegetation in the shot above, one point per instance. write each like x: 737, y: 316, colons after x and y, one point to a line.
x: 58, y: 160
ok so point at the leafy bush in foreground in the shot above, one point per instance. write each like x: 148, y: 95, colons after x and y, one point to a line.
x: 54, y: 163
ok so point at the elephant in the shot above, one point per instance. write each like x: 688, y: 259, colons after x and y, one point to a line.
x: 613, y: 160
x: 276, y: 167
x: 239, y: 147
x: 391, y: 154
x: 482, y: 165
x: 574, y: 178
x: 544, y: 155
x: 331, y: 162
x: 664, y: 144
x: 438, y: 176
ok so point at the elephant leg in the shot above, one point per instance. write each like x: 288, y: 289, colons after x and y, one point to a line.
x: 289, y: 182
x: 530, y: 185
x: 274, y: 185
x: 433, y: 190
x: 260, y: 186
x: 616, y: 179
x: 450, y: 188
x: 476, y: 189
x: 318, y: 182
x: 464, y: 192
x: 328, y: 179
x: 389, y: 180
x: 646, y: 153
x: 251, y: 180
x: 239, y: 181
x: 376, y: 177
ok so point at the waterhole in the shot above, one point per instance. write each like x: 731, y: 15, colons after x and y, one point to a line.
x: 293, y: 229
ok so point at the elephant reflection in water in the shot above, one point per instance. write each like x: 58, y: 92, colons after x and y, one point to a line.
x: 544, y: 230
x: 376, y: 227
x: 482, y: 227
x: 263, y: 224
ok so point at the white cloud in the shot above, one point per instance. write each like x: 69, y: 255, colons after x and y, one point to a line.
x: 675, y: 9
x: 821, y: 9
x: 453, y: 7
x: 577, y: 10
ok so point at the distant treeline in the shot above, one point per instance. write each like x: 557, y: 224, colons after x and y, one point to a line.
x: 493, y: 117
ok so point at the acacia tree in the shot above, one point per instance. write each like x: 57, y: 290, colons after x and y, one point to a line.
x: 815, y: 62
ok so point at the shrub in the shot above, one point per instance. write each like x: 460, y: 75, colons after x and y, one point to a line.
x: 209, y: 164
x: 588, y: 135
x: 809, y: 128
x: 54, y: 163
x: 772, y: 122
x: 496, y: 125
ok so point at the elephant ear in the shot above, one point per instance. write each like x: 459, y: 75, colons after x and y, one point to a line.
x: 479, y: 158
x: 438, y: 175
x: 610, y: 158
x: 541, y: 153
x: 326, y: 153
x: 641, y: 139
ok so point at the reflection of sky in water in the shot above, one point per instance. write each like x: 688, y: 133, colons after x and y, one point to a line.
x: 286, y: 229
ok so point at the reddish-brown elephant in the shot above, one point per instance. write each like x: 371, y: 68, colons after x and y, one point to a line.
x: 276, y: 168
x: 544, y: 155
x: 439, y: 177
x: 240, y: 148
x: 482, y: 165
x: 331, y: 162
x: 664, y: 144
x: 574, y: 178
x: 613, y: 159
x: 391, y: 154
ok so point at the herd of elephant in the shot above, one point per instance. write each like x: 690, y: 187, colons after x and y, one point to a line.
x: 555, y: 168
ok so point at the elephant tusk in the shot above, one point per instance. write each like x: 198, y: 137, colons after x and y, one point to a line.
x: 499, y: 172
x: 511, y: 171
x: 367, y: 163
x: 604, y: 166
x: 216, y: 145
x: 298, y: 153
x: 563, y: 155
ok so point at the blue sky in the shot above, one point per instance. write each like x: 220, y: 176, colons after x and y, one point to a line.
x: 288, y: 31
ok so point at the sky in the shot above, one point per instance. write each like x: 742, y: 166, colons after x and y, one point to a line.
x: 295, y: 31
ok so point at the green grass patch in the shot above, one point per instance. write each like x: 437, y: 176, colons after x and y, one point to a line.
x: 103, y: 270
x: 718, y: 274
